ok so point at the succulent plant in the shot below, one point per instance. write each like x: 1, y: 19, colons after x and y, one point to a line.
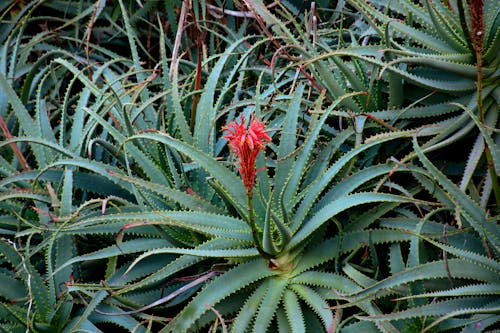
x: 441, y: 62
x: 283, y: 175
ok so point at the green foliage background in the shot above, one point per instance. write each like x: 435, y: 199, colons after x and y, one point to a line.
x: 376, y: 203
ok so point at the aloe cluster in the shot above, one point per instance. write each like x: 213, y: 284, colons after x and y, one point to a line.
x: 132, y: 198
x: 443, y: 58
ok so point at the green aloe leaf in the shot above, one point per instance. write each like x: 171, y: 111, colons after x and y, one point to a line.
x: 337, y: 206
x: 231, y: 183
x: 249, y: 309
x: 455, y: 306
x: 297, y: 172
x: 465, y: 205
x: 293, y: 312
x: 269, y: 305
x: 469, y: 290
x: 127, y: 247
x: 316, y: 303
x: 433, y: 270
x: 288, y: 139
x: 207, y: 223
x: 221, y: 287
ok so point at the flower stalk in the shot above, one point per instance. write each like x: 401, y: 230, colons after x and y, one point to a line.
x: 476, y: 10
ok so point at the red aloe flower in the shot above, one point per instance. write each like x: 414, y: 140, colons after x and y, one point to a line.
x: 246, y: 143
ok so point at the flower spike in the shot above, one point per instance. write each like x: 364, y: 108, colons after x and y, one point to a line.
x: 246, y: 143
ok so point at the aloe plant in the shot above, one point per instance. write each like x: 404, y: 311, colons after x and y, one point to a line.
x: 285, y: 269
x: 44, y: 163
x: 445, y: 56
x: 128, y: 200
x: 438, y: 306
x: 287, y: 241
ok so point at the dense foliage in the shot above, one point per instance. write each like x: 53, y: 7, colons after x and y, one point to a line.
x: 193, y: 166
